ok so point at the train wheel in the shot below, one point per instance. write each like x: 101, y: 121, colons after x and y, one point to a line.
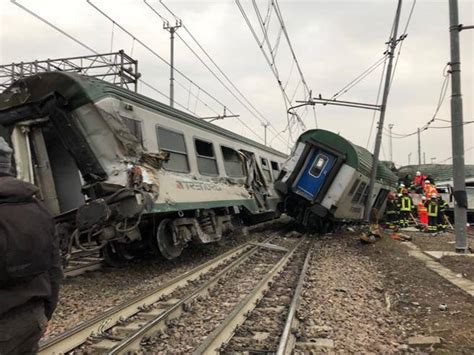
x: 116, y: 254
x: 165, y: 241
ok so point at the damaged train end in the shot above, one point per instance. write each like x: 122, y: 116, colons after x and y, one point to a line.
x: 325, y: 181
x: 127, y: 175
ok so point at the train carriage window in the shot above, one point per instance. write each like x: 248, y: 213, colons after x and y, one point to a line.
x: 232, y: 163
x: 134, y: 126
x: 319, y: 164
x: 266, y: 169
x: 206, y: 159
x: 275, y: 169
x: 173, y: 143
x: 359, y: 192
x: 354, y: 186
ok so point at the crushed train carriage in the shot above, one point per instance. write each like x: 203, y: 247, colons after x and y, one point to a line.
x: 125, y: 173
x: 325, y: 181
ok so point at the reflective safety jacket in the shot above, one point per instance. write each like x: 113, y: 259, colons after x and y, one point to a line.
x: 406, y: 204
x: 430, y: 190
x: 443, y: 205
x: 421, y: 207
x: 433, y: 209
x: 391, y: 207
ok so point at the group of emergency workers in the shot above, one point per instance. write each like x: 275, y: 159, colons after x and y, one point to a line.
x: 430, y: 211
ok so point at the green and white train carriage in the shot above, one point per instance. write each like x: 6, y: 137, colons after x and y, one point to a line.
x: 125, y: 171
x: 325, y: 180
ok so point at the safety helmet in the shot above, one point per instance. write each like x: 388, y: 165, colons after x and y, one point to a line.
x: 423, y: 198
x: 399, y: 195
x: 434, y: 196
x: 427, y: 182
x: 402, y: 185
x: 418, y: 173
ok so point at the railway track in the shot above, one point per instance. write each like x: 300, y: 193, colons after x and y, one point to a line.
x: 263, y: 321
x: 86, y: 334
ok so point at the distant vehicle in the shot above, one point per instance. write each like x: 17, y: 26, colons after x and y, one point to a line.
x: 125, y: 174
x: 325, y: 181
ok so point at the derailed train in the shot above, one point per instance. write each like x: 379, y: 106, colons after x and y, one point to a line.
x: 124, y: 173
x: 325, y: 181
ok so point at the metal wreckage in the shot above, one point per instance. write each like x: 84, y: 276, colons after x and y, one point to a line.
x: 125, y: 174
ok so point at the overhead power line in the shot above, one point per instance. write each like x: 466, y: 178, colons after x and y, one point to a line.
x: 252, y: 110
x: 157, y: 55
x: 82, y: 44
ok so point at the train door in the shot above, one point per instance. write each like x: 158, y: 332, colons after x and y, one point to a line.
x: 318, y: 165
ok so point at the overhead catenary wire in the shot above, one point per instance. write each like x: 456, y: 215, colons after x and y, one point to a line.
x: 270, y: 56
x: 157, y: 55
x: 82, y: 44
x: 247, y: 104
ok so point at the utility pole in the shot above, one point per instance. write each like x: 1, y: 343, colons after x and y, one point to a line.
x: 265, y: 125
x: 378, y: 140
x: 409, y: 158
x: 172, y: 30
x: 419, y: 147
x: 390, y: 126
x: 457, y: 131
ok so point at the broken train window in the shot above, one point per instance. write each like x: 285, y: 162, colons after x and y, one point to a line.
x: 206, y: 159
x: 173, y: 143
x: 232, y: 163
x: 134, y: 126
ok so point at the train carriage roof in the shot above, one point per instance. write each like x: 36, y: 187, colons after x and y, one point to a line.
x: 79, y: 90
x: 357, y: 157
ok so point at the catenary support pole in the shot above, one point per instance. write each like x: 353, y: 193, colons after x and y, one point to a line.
x: 172, y: 30
x: 378, y: 140
x: 457, y: 131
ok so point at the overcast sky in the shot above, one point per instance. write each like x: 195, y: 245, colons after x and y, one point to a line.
x: 334, y: 42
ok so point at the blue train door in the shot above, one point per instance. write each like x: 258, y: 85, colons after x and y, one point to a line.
x: 314, y: 174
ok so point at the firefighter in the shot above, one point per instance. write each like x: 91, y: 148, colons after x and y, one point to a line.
x: 391, y: 210
x: 443, y: 206
x: 422, y: 212
x: 433, y: 211
x: 429, y: 189
x: 406, y: 207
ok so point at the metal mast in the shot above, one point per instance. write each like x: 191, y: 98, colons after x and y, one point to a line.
x: 457, y: 131
x: 172, y: 30
x: 378, y: 140
x: 419, y: 146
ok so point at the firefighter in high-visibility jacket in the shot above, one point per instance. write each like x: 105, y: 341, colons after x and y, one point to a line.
x: 433, y: 212
x: 406, y: 207
x: 392, y: 210
x: 443, y: 206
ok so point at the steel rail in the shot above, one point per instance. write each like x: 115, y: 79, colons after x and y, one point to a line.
x: 133, y: 342
x: 287, y: 341
x: 76, y: 336
x: 225, y: 331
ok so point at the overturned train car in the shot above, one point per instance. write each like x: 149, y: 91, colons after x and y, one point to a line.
x: 125, y: 174
x: 325, y: 181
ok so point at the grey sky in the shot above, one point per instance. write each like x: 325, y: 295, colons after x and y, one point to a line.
x: 333, y: 40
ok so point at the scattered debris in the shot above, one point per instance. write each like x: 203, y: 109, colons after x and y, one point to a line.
x: 424, y: 341
x: 443, y: 307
